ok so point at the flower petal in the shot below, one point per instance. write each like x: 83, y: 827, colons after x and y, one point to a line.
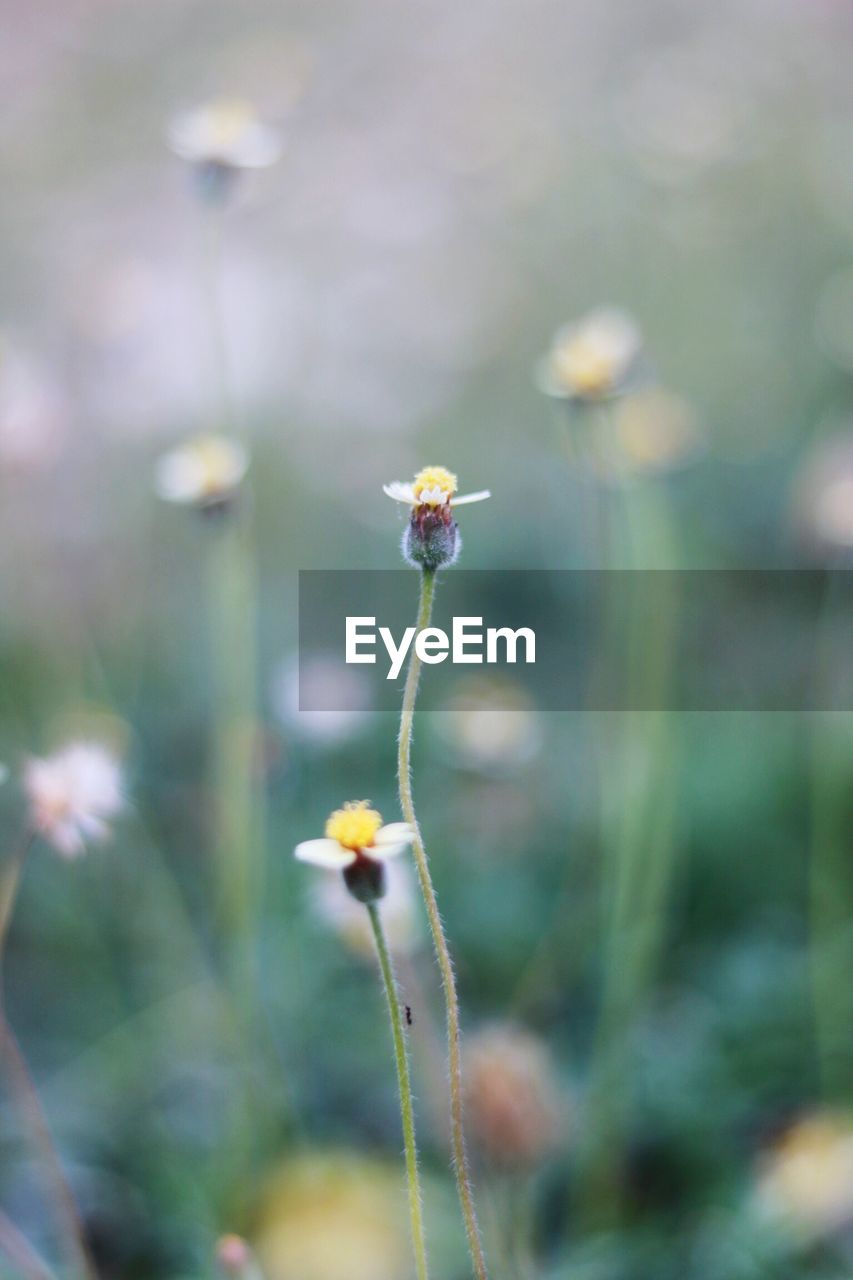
x: 479, y: 496
x: 66, y: 838
x: 394, y: 833
x: 400, y: 492
x: 382, y: 852
x: 179, y: 477
x: 324, y: 853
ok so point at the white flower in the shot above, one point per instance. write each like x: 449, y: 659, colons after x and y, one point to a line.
x: 72, y: 794
x: 345, y: 691
x: 356, y: 832
x: 335, y: 905
x: 807, y: 1178
x: 490, y: 726
x: 593, y: 359
x: 825, y: 492
x: 226, y: 133
x: 432, y: 487
x: 203, y: 472
x: 34, y: 413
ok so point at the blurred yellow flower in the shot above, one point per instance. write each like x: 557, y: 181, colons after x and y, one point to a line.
x: 355, y: 832
x: 806, y: 1180
x: 324, y: 1217
x: 656, y: 431
x: 205, y: 472
x: 592, y: 359
x: 226, y: 133
x: 72, y: 794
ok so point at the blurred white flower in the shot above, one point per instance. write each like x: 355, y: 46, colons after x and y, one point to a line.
x: 33, y: 414
x: 336, y: 906
x: 355, y: 833
x: 491, y: 726
x: 72, y: 794
x: 824, y: 492
x: 204, y: 472
x: 344, y: 690
x: 806, y: 1180
x: 226, y: 133
x: 592, y: 359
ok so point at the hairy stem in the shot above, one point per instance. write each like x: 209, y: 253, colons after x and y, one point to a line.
x: 404, y: 1081
x: 445, y: 964
x: 25, y: 1091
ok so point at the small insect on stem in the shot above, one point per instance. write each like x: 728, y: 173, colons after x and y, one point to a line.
x: 409, y: 1019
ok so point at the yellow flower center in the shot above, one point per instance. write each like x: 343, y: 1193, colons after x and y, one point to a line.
x: 228, y: 120
x: 434, y: 486
x: 217, y: 462
x: 355, y: 826
x: 584, y: 366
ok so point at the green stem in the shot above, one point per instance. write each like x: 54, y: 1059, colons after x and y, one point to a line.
x: 404, y: 1081
x: 237, y: 803
x: 445, y: 964
x: 639, y: 831
x: 238, y: 800
x: 25, y: 1089
x: 831, y: 882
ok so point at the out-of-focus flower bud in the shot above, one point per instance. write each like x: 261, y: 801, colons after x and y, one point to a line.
x: 513, y: 1106
x: 234, y: 1258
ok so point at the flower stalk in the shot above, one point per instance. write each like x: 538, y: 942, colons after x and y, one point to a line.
x: 405, y: 1085
x: 448, y: 981
x: 25, y: 1091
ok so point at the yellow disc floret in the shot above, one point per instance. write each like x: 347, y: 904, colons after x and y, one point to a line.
x: 354, y: 826
x: 582, y: 365
x: 433, y: 486
x: 219, y: 464
x: 228, y: 121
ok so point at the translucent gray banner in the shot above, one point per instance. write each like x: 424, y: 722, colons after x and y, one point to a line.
x: 707, y: 640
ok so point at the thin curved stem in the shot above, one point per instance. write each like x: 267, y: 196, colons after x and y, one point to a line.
x: 21, y: 1253
x: 445, y: 964
x: 25, y: 1089
x: 407, y: 1112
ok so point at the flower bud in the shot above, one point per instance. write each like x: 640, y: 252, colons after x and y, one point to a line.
x: 432, y: 538
x: 514, y: 1107
x: 365, y: 880
x: 235, y: 1258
